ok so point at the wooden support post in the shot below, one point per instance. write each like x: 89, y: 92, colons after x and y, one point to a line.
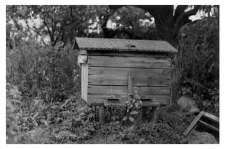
x: 95, y: 113
x: 193, y: 124
x: 154, y: 114
x: 101, y: 114
x: 144, y: 112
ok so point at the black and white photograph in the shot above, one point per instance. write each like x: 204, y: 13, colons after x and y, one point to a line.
x: 112, y: 74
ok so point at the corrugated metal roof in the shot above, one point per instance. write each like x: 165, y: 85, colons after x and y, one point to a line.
x: 124, y: 45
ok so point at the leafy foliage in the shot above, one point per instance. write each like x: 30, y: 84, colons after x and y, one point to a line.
x: 57, y: 22
x: 60, y: 122
x: 200, y: 62
x: 132, y: 108
x: 132, y: 23
x: 42, y: 71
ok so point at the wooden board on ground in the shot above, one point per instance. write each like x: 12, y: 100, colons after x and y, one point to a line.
x: 193, y: 124
x: 212, y: 122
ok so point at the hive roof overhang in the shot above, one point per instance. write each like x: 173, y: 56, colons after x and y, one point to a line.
x: 105, y: 44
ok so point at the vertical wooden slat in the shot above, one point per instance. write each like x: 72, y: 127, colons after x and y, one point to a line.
x: 130, y: 83
x: 84, y: 81
x: 84, y: 73
x: 171, y: 79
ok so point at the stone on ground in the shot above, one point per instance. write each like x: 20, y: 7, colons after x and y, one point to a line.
x: 188, y: 104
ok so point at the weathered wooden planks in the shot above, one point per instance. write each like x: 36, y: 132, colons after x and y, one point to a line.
x: 125, y: 71
x: 122, y: 91
x: 118, y: 76
x: 131, y: 62
x: 208, y: 120
x: 108, y: 76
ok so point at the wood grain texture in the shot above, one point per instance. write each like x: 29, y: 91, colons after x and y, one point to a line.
x: 118, y: 76
x: 131, y: 62
x: 84, y: 81
x: 163, y: 99
x: 99, y: 93
x: 129, y: 88
x: 142, y: 91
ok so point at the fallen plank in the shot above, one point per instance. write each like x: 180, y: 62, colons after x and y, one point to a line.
x: 209, y: 126
x: 193, y: 124
x: 211, y: 117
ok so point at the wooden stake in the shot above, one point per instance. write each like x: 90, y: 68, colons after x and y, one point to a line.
x: 102, y: 115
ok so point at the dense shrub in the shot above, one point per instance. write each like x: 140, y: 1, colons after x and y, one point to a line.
x: 51, y: 74
x: 199, y: 62
x: 41, y: 81
x: 40, y: 122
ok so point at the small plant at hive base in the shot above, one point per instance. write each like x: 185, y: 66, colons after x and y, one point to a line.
x: 131, y: 107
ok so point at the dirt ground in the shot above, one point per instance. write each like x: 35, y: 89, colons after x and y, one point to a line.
x: 196, y: 137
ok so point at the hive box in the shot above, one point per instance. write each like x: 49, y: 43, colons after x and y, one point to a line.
x: 107, y: 63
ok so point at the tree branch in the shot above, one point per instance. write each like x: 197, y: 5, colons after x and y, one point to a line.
x: 152, y: 9
x: 37, y: 32
x: 179, y: 10
x: 184, y: 16
x: 114, y: 7
x: 163, y: 15
x: 48, y: 29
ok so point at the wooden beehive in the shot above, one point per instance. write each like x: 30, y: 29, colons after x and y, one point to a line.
x: 107, y: 63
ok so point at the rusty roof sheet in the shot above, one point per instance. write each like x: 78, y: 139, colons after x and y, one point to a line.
x: 124, y: 45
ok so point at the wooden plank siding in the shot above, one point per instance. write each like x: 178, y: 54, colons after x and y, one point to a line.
x: 118, y: 76
x: 108, y: 76
x: 122, y: 90
x: 163, y: 99
x: 128, y: 62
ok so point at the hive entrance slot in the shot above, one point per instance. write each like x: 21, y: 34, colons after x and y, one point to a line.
x: 113, y: 100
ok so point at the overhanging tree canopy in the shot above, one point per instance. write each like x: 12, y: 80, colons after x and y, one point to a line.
x: 168, y: 21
